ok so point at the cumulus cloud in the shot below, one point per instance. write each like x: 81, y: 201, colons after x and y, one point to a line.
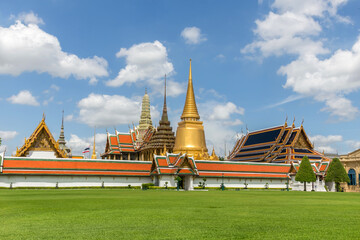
x: 28, y: 18
x: 293, y: 27
x: 27, y: 48
x: 327, y: 80
x: 144, y: 62
x: 326, y: 143
x: 192, y: 35
x: 220, y: 124
x: 222, y: 112
x: 24, y: 97
x: 108, y: 111
x: 8, y: 135
x: 69, y: 118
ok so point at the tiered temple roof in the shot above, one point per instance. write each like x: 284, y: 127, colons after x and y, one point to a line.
x: 164, y: 136
x: 176, y: 164
x: 278, y: 144
x: 119, y: 143
x: 41, y: 140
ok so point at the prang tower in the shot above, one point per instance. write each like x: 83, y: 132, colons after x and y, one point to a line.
x: 190, y: 136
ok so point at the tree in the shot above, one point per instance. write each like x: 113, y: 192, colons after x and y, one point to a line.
x: 306, y: 172
x: 336, y: 173
x: 0, y: 141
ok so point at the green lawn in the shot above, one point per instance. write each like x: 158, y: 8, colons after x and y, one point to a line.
x: 160, y: 214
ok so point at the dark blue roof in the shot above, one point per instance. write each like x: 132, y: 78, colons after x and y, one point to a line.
x: 263, y: 137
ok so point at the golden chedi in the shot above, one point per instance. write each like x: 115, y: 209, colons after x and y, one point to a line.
x: 190, y: 136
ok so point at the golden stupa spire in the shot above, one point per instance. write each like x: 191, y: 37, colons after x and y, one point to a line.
x: 190, y: 110
x: 93, y: 156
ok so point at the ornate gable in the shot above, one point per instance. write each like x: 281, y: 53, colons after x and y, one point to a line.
x: 302, y: 141
x: 41, y: 140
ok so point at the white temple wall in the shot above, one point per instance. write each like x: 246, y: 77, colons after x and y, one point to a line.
x: 41, y: 154
x: 319, y: 186
x: 170, y: 179
x: 240, y: 182
x: 71, y: 181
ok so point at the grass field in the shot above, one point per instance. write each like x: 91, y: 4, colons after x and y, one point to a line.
x: 159, y: 214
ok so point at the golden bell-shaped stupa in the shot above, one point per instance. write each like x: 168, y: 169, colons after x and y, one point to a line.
x: 190, y: 135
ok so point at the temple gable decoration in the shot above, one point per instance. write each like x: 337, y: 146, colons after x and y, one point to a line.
x: 41, y: 140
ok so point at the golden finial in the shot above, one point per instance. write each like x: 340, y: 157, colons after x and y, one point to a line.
x: 293, y: 124
x: 44, y: 116
x: 190, y: 109
x: 94, y: 153
x: 164, y: 151
x: 286, y: 120
x: 302, y: 122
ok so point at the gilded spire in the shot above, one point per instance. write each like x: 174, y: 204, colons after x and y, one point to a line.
x: 190, y: 109
x: 145, y: 118
x: 164, y: 117
x: 93, y: 156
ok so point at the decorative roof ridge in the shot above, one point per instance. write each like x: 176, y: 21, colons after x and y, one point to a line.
x: 35, y: 134
x: 264, y: 129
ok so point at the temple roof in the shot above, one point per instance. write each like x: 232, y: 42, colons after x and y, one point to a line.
x: 121, y: 142
x: 277, y: 144
x: 41, y: 140
x: 182, y: 164
x: 28, y: 166
x: 164, y: 136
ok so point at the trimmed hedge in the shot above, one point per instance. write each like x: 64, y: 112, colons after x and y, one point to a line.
x: 157, y: 187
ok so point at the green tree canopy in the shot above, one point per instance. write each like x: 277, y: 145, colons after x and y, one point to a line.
x: 336, y: 172
x: 306, y: 172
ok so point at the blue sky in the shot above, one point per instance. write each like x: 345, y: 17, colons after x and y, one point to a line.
x: 254, y: 63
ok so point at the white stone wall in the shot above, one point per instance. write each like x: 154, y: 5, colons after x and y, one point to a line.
x: 41, y: 154
x: 71, y: 181
x: 167, y: 178
x: 240, y: 182
x: 319, y: 186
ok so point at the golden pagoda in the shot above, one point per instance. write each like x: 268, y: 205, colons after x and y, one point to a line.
x: 190, y: 135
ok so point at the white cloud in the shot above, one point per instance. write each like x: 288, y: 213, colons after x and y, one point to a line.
x: 327, y: 80
x: 222, y: 112
x: 286, y: 33
x: 235, y: 122
x: 27, y: 48
x: 192, y: 35
x: 309, y: 7
x: 55, y: 87
x: 353, y: 144
x: 69, y: 118
x: 24, y: 97
x: 108, y: 111
x: 289, y: 99
x: 47, y: 101
x: 220, y: 124
x: 293, y: 27
x: 8, y: 135
x: 29, y: 18
x: 145, y: 62
x: 326, y: 143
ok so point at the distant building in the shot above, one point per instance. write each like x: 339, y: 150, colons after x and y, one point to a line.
x: 351, y: 162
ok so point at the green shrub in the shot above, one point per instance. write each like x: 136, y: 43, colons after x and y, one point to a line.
x: 145, y: 186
